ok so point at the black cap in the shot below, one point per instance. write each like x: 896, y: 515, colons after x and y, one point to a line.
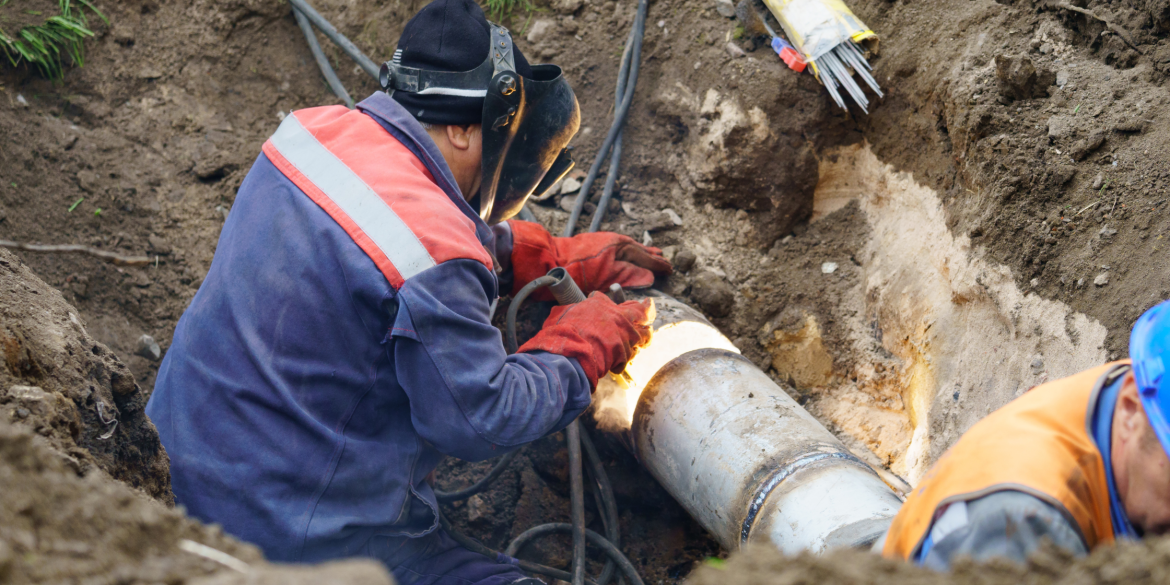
x: 448, y: 35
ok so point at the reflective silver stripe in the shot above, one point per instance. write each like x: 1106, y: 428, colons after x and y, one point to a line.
x: 453, y: 91
x: 346, y: 189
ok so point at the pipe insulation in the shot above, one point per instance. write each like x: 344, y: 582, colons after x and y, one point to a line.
x: 745, y: 459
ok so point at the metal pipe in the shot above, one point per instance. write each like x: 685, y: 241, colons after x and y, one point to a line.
x: 744, y: 458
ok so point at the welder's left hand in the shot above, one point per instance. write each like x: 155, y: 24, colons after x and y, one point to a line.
x: 594, y: 260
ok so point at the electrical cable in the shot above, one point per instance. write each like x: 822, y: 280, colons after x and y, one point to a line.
x: 322, y: 60
x: 339, y: 39
x: 616, y: 158
x: 576, y: 501
x: 497, y: 469
x: 603, y: 494
x: 619, y: 118
x: 594, y: 538
x: 527, y: 215
x: 514, y: 307
x: 475, y: 546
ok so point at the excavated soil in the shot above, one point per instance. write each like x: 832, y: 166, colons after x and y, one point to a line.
x: 1137, y: 564
x: 86, y: 492
x: 997, y: 220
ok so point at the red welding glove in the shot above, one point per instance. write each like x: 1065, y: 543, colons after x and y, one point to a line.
x: 601, y: 334
x: 594, y: 260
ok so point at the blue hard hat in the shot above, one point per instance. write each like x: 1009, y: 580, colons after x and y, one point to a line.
x: 1149, y: 344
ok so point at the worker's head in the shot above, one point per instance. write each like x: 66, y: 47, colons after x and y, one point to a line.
x: 1141, y: 436
x: 501, y: 124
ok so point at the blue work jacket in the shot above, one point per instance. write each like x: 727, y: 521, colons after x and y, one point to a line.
x: 305, y: 397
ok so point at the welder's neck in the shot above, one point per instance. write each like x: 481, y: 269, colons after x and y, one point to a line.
x: 462, y: 149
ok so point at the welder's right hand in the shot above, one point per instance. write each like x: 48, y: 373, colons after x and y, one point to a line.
x: 601, y: 334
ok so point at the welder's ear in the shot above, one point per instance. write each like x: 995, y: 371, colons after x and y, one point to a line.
x: 463, y: 137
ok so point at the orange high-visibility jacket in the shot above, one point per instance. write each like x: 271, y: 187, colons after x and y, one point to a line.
x: 1040, y: 444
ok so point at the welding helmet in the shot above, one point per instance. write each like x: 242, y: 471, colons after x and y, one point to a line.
x: 527, y: 121
x: 1149, y: 346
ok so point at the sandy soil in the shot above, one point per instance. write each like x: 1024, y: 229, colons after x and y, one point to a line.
x: 1039, y: 201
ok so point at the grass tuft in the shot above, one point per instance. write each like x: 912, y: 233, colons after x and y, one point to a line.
x: 499, y: 9
x: 60, y: 35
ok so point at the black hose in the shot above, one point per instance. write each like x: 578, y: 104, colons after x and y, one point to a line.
x: 594, y: 538
x: 606, y: 503
x: 475, y: 488
x: 616, y: 158
x: 517, y: 300
x: 527, y: 215
x: 475, y: 546
x: 339, y: 39
x: 619, y: 118
x: 576, y: 501
x: 322, y: 61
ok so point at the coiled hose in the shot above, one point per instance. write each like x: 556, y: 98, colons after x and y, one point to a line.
x: 577, y: 437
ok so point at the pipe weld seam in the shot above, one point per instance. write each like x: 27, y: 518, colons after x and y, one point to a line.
x: 782, y: 473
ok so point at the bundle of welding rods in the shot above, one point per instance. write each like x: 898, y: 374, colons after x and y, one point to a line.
x: 833, y: 68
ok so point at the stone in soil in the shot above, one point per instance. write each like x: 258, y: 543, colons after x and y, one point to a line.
x: 713, y: 295
x: 148, y: 348
x: 1019, y: 78
x: 684, y: 260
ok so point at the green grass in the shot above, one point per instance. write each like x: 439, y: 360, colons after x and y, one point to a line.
x: 497, y: 10
x: 60, y: 35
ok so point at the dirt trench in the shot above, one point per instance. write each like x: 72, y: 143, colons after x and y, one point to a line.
x: 994, y: 222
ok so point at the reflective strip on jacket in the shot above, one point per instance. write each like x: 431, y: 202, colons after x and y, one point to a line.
x: 341, y: 344
x: 1039, y: 444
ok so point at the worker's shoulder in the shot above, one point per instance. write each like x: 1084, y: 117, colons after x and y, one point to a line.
x: 403, y: 183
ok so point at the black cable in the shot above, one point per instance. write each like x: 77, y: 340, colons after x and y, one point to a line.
x: 594, y: 538
x: 619, y: 119
x: 616, y: 158
x: 576, y: 501
x: 478, y: 547
x: 527, y: 215
x: 339, y: 39
x: 517, y: 300
x: 497, y: 469
x: 606, y: 503
x: 322, y: 61
x: 607, y: 571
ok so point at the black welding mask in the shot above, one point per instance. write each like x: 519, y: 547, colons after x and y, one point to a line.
x: 527, y: 121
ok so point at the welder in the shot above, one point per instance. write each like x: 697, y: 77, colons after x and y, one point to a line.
x: 341, y: 343
x: 1080, y: 462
